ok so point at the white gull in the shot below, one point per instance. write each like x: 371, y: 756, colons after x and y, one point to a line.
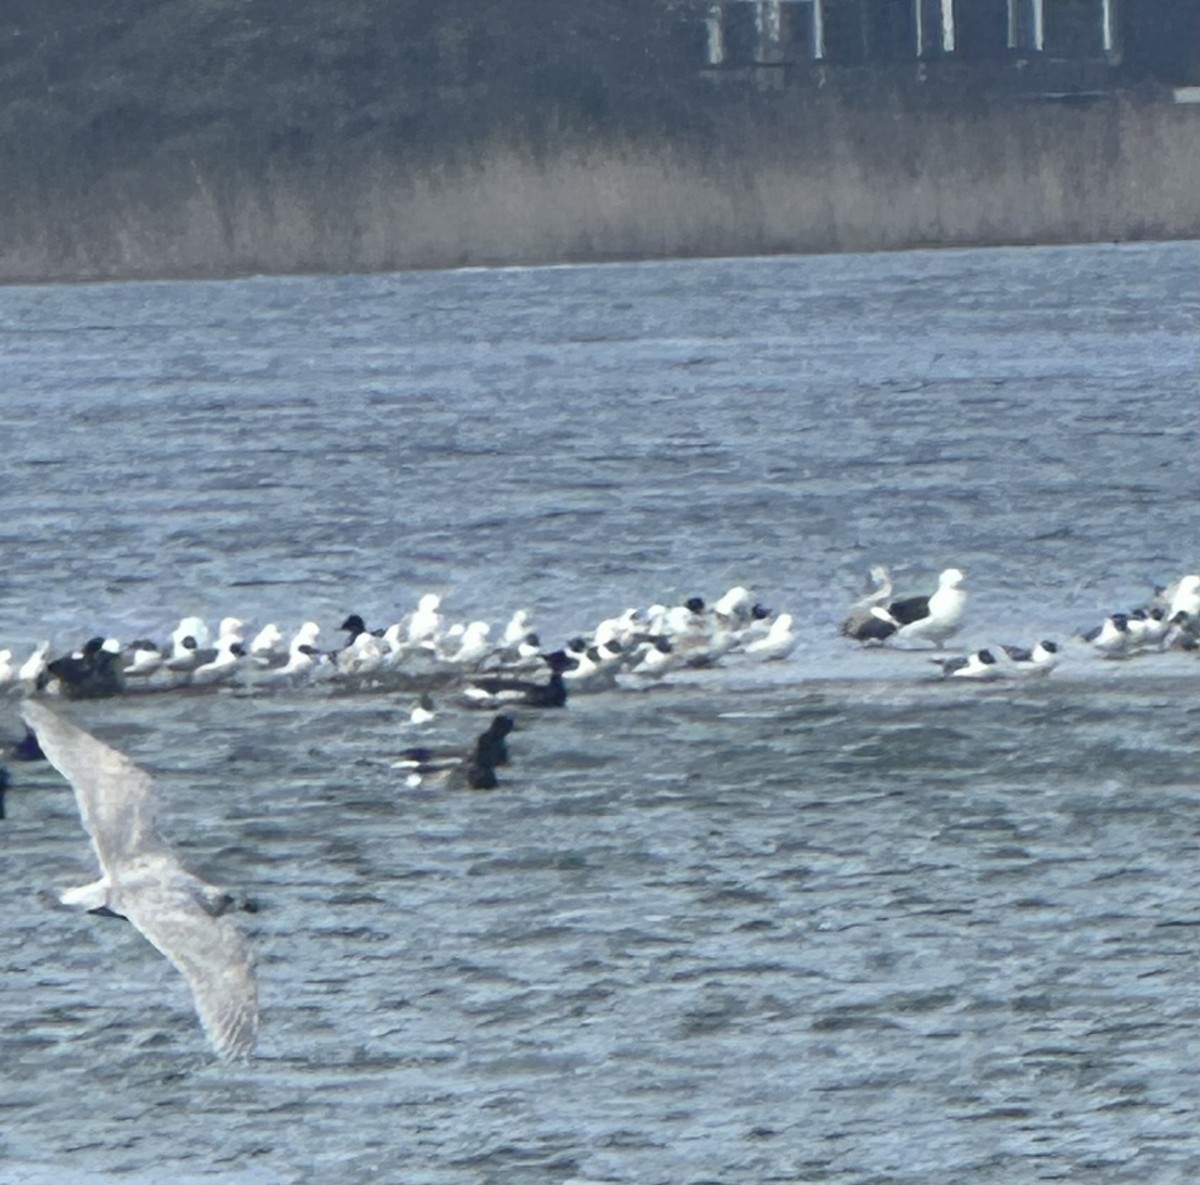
x: 181, y: 915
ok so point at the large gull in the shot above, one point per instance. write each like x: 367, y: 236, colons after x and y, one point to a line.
x: 142, y: 881
x: 930, y: 618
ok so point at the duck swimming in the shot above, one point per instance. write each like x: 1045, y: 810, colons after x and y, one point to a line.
x: 92, y: 673
x: 493, y: 692
x: 475, y: 770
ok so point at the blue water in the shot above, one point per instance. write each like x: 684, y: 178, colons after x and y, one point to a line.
x: 824, y: 920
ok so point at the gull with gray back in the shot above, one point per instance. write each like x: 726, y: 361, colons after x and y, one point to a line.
x: 141, y: 880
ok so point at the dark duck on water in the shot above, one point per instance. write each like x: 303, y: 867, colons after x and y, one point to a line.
x: 475, y: 770
x: 91, y: 673
x: 497, y: 691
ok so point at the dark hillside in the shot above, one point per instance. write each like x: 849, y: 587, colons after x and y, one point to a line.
x: 114, y: 82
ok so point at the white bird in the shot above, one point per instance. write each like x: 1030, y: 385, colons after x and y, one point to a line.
x: 735, y: 603
x: 696, y: 635
x: 303, y: 657
x: 393, y: 640
x: 190, y: 627
x: 861, y: 623
x: 266, y: 647
x: 595, y: 666
x: 881, y: 586
x: 423, y: 710
x: 656, y: 620
x: 143, y: 658
x: 517, y: 628
x: 230, y: 629
x: 473, y: 646
x: 180, y: 914
x: 222, y: 668
x: 1185, y: 597
x: 777, y: 643
x: 942, y: 611
x: 302, y: 661
x: 654, y: 658
x: 363, y: 656
x: 220, y: 663
x: 981, y: 664
x: 188, y: 642
x: 622, y: 629
x: 306, y: 635
x: 1040, y: 660
x: 426, y: 623
x: 686, y: 620
x: 1111, y: 638
x: 35, y: 664
x: 1148, y: 627
x: 519, y: 648
x: 1184, y: 633
x: 924, y: 619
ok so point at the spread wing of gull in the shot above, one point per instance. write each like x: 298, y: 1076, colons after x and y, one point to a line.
x: 181, y: 915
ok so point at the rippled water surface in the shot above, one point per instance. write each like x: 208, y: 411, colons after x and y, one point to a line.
x: 828, y: 919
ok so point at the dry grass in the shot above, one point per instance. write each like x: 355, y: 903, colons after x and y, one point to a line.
x: 828, y: 178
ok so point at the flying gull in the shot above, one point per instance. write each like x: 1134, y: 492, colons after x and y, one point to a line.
x: 142, y: 881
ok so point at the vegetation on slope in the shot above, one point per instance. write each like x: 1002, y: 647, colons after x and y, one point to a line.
x: 111, y: 82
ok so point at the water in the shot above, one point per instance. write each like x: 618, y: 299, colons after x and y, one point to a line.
x: 826, y: 920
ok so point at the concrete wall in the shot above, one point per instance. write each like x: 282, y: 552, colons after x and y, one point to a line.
x: 819, y: 176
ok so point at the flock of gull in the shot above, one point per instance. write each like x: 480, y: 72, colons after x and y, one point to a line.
x: 1169, y: 620
x: 425, y: 651
x: 187, y: 919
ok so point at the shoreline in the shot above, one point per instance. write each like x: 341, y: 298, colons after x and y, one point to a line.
x: 820, y: 177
